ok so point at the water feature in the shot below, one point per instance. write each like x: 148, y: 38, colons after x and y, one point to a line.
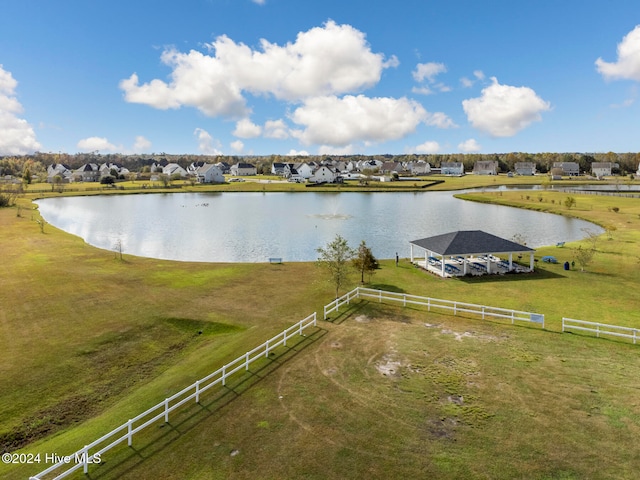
x: 253, y: 226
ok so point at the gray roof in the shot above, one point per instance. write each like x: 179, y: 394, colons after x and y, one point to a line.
x: 469, y: 242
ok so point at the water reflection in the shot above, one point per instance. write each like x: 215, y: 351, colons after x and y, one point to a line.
x: 251, y: 227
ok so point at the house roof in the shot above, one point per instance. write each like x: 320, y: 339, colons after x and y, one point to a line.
x: 467, y: 242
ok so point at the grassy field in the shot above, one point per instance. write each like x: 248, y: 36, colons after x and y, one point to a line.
x: 88, y: 341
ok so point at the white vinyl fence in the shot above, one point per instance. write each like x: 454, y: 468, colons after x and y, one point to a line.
x: 571, y: 324
x: 93, y: 452
x: 448, y: 305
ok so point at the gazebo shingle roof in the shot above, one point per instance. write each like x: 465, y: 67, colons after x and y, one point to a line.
x: 467, y: 242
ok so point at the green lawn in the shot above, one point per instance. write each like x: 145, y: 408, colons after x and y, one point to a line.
x: 88, y: 341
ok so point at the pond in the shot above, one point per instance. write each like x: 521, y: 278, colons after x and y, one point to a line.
x: 254, y: 226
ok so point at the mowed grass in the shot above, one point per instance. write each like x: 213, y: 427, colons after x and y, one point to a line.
x: 89, y: 341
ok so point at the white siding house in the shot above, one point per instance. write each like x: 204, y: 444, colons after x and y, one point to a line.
x: 174, y: 169
x: 525, y: 168
x: 209, y: 173
x: 485, y: 167
x: 243, y: 169
x: 601, y: 169
x: 323, y: 174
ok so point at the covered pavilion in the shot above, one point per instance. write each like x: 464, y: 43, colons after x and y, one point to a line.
x: 469, y: 252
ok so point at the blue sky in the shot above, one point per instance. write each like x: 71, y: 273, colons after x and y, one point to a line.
x: 243, y: 77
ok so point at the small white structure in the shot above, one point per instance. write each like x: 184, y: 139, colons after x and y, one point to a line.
x: 209, y: 173
x: 471, y: 252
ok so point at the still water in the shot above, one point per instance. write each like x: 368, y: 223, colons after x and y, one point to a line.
x: 252, y: 227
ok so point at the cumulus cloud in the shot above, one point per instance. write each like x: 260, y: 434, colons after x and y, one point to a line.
x: 18, y: 137
x: 439, y: 120
x: 328, y: 60
x: 237, y: 146
x: 467, y: 83
x: 504, y: 110
x: 469, y: 146
x: 297, y: 153
x: 428, y: 147
x: 276, y: 129
x: 628, y: 64
x: 245, y: 128
x: 141, y: 145
x: 99, y: 144
x: 427, y: 72
x: 337, y: 122
x: 206, y: 143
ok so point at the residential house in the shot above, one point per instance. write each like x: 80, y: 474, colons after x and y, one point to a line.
x: 485, y: 167
x: 452, y: 168
x: 173, y: 169
x: 304, y: 170
x: 602, y: 169
x: 392, y: 167
x: 112, y: 169
x: 224, y: 167
x: 419, y: 167
x: 277, y: 168
x: 525, y: 168
x: 192, y: 169
x: 89, y: 172
x: 59, y: 169
x: 324, y: 174
x: 568, y: 168
x: 209, y: 173
x: 240, y: 169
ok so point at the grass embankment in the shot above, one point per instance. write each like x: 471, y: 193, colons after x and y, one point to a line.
x: 86, y: 336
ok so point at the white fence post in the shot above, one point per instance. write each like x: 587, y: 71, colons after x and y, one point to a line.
x: 224, y: 375
x: 246, y: 361
x: 85, y: 459
x: 166, y: 410
x: 129, y: 433
x: 284, y: 342
x: 197, y: 391
x: 379, y: 296
x: 483, y: 312
x: 404, y: 300
x: 266, y: 349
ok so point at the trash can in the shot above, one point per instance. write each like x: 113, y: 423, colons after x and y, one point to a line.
x: 566, y: 265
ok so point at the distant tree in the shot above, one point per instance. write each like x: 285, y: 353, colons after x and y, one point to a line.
x: 26, y: 176
x: 364, y: 261
x: 57, y: 182
x: 107, y: 180
x: 570, y: 202
x: 584, y: 256
x: 334, y: 259
x: 164, y: 179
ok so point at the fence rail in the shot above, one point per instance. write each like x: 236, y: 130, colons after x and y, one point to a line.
x: 600, y: 329
x: 483, y: 311
x: 82, y: 458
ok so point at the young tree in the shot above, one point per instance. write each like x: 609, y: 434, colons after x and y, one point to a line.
x: 335, y: 258
x: 584, y: 256
x: 570, y: 202
x: 364, y: 261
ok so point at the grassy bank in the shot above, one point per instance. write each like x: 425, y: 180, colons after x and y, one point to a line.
x: 89, y: 341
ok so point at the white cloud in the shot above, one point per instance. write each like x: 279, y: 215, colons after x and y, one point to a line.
x: 237, y: 146
x: 467, y: 83
x: 424, y: 90
x: 628, y: 64
x: 141, y: 145
x: 99, y: 144
x: 469, y: 146
x: 439, y: 120
x: 331, y: 150
x: 428, y: 71
x: 327, y: 60
x: 206, y: 143
x: 503, y: 110
x: 245, y: 128
x: 276, y: 129
x: 338, y: 122
x: 18, y: 137
x: 428, y: 147
x: 297, y: 153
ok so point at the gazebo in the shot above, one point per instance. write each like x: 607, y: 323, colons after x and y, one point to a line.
x: 469, y: 252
